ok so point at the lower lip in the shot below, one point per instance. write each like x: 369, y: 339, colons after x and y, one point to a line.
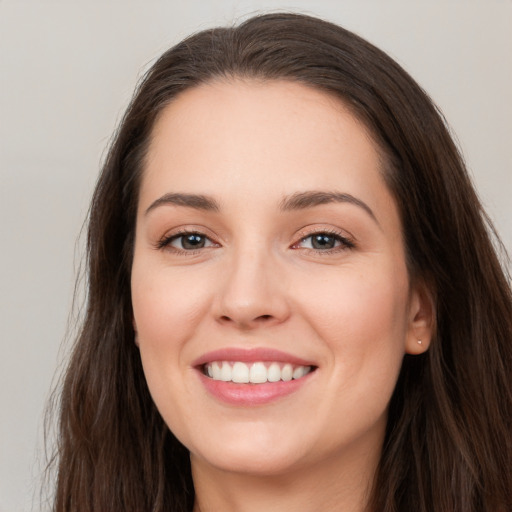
x: 252, y: 394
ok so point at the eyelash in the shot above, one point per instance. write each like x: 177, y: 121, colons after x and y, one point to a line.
x: 165, y: 242
x: 345, y: 243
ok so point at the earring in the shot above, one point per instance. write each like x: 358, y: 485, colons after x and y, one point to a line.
x: 419, y: 342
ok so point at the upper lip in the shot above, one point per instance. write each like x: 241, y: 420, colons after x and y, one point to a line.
x: 251, y: 355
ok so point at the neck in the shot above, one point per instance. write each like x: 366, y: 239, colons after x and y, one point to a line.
x: 329, y: 486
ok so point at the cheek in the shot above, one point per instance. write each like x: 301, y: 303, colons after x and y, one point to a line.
x: 167, y: 307
x: 352, y: 302
x: 362, y: 322
x: 362, y: 319
x: 166, y: 304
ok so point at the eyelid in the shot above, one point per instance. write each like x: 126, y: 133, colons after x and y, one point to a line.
x: 165, y: 241
x: 347, y: 241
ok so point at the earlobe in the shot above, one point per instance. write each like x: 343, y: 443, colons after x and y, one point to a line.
x: 416, y: 347
x: 421, y: 320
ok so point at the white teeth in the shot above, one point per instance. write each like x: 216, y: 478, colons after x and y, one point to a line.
x: 274, y: 373
x: 216, y: 370
x: 299, y: 372
x: 240, y: 373
x: 225, y: 372
x: 255, y: 373
x: 258, y: 373
x: 287, y: 372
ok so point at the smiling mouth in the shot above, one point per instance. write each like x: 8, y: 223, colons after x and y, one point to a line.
x: 258, y: 372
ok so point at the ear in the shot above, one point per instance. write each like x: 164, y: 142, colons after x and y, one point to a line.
x: 421, y: 319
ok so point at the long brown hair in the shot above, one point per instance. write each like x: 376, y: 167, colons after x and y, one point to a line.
x: 448, y: 445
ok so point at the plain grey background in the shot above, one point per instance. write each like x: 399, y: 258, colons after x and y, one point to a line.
x: 67, y: 71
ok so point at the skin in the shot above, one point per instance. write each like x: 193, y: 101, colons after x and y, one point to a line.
x: 259, y: 282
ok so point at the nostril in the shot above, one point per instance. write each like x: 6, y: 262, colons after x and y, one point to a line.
x: 246, y: 323
x: 261, y: 317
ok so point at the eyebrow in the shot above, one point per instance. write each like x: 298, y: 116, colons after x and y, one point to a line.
x: 303, y: 200
x: 297, y: 201
x: 197, y: 201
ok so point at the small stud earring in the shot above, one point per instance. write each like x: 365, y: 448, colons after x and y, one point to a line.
x: 419, y: 342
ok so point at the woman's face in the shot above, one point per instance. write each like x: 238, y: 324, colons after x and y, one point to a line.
x: 269, y: 249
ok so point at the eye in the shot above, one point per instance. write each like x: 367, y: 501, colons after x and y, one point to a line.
x: 188, y: 241
x: 324, y: 241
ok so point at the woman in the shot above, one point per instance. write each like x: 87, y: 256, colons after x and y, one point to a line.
x: 294, y: 302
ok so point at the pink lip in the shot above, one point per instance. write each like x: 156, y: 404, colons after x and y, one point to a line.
x: 251, y: 355
x: 247, y: 395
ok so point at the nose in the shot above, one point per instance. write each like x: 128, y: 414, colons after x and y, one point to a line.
x: 253, y: 292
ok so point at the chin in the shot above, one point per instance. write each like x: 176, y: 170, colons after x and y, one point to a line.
x: 249, y: 462
x: 252, y: 454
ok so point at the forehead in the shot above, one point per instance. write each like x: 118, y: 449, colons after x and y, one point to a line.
x: 258, y: 107
x: 245, y: 136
